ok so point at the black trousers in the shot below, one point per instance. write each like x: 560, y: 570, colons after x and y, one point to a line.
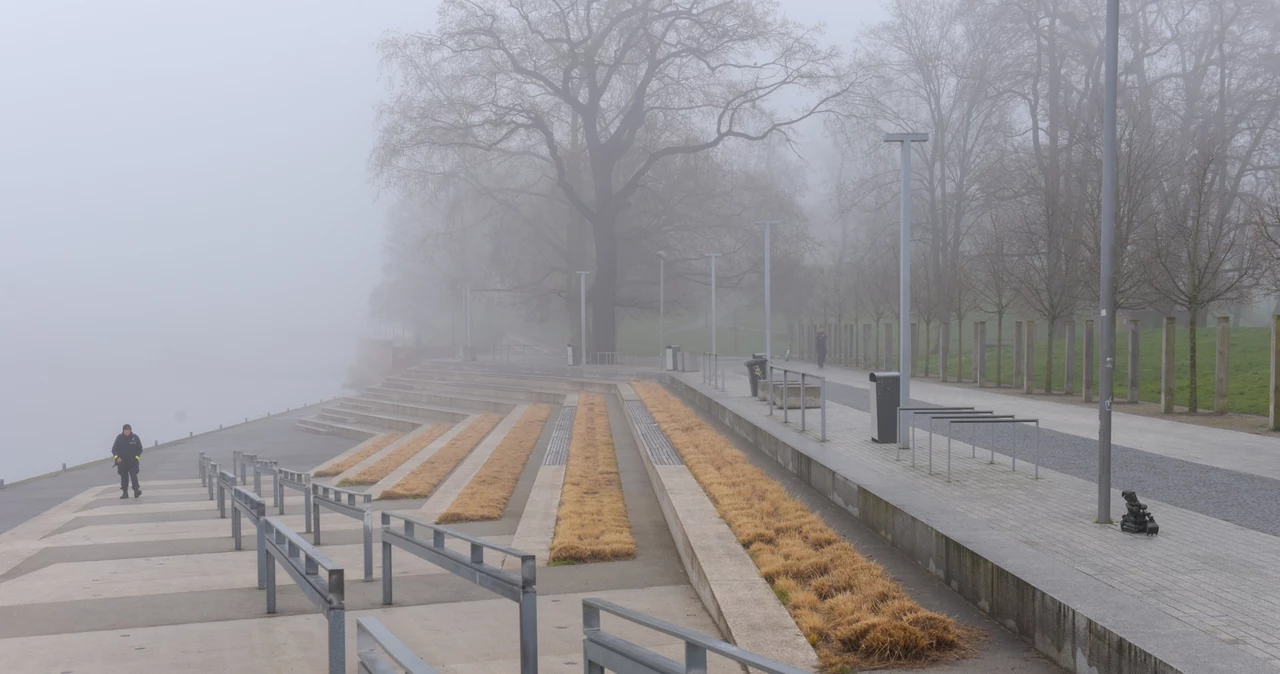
x: 128, y: 473
x: 822, y: 358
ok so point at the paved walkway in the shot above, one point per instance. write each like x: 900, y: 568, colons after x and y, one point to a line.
x: 1221, y: 448
x: 1218, y: 577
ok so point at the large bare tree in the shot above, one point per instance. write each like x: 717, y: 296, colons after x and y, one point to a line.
x: 598, y: 92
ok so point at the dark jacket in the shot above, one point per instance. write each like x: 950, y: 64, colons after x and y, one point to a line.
x: 128, y: 448
x: 822, y: 343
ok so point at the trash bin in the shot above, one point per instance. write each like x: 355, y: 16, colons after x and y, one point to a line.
x: 673, y: 358
x: 884, y: 406
x: 755, y: 372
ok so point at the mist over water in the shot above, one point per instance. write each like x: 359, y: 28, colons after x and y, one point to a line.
x: 188, y: 235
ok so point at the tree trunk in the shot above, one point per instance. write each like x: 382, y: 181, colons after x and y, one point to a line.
x: 959, y: 350
x: 1192, y: 325
x: 1048, y: 361
x: 999, y: 346
x: 603, y: 291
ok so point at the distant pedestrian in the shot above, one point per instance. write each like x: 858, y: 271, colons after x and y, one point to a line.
x: 128, y: 452
x: 822, y: 347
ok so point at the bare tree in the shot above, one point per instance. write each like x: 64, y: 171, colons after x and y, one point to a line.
x: 995, y: 283
x: 642, y: 81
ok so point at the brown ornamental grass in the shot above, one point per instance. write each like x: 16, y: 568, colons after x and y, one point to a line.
x: 485, y: 496
x: 368, y: 448
x: 423, y: 480
x: 396, y: 458
x: 591, y: 524
x: 849, y: 609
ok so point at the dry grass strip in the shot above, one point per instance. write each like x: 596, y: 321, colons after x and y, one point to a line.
x: 376, y: 444
x: 852, y: 612
x: 592, y: 525
x: 373, y: 474
x: 424, y: 479
x: 485, y: 496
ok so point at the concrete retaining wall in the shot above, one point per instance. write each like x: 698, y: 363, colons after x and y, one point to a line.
x: 1079, y: 622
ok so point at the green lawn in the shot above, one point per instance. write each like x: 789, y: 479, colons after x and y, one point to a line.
x: 1249, y: 375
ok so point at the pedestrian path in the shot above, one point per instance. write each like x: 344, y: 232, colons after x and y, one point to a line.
x: 1218, y: 447
x: 1215, y: 576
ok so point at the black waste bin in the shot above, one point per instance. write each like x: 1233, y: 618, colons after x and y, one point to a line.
x: 884, y: 406
x: 755, y: 372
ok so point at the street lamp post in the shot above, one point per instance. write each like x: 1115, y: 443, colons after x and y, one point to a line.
x: 904, y: 265
x: 1106, y: 291
x: 768, y: 295
x: 466, y: 289
x: 582, y: 303
x: 662, y: 310
x: 713, y: 257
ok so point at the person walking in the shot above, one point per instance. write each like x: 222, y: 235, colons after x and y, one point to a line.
x: 822, y: 347
x: 128, y: 452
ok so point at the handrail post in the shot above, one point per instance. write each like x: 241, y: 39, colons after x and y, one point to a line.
x: 367, y: 525
x: 386, y: 563
x: 528, y: 616
x: 804, y: 400
x: 213, y: 475
x: 261, y: 540
x: 786, y: 386
x: 306, y: 504
x: 824, y: 408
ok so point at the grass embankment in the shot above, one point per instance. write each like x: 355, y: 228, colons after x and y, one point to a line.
x: 486, y: 496
x: 849, y: 609
x: 373, y: 474
x: 592, y: 524
x: 424, y: 479
x: 371, y: 446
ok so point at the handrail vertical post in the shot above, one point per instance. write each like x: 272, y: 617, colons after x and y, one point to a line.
x: 386, y: 563
x: 263, y: 557
x: 306, y: 503
x: 695, y: 659
x: 528, y: 616
x: 367, y: 525
x: 823, y: 403
x: 213, y: 475
x: 786, y: 386
x: 804, y: 401
x: 337, y: 640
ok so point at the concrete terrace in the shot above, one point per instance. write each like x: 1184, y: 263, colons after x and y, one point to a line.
x: 92, y: 583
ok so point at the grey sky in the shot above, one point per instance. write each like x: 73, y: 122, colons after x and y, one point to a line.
x: 187, y: 232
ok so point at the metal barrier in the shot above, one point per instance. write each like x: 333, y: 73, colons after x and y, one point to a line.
x: 245, y: 503
x: 243, y: 469
x: 996, y: 420
x: 204, y: 469
x: 803, y: 380
x: 943, y: 416
x: 521, y: 589
x: 304, y: 563
x: 712, y: 373
x: 211, y: 475
x: 602, y: 651
x: 226, y: 483
x: 301, y: 482
x: 905, y: 442
x: 261, y: 467
x: 371, y: 637
x: 324, y: 496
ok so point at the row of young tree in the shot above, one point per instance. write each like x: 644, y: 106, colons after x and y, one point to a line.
x: 528, y: 140
x: 1006, y: 202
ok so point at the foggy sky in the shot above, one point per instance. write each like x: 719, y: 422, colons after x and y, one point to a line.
x: 187, y: 232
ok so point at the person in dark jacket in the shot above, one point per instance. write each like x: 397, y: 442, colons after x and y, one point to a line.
x: 128, y: 452
x: 822, y: 347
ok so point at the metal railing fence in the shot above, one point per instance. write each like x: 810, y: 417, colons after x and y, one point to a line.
x: 305, y: 564
x: 354, y: 504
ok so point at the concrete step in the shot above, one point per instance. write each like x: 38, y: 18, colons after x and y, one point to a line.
x: 450, y: 399
x: 421, y: 412
x: 354, y: 431
x: 507, y: 393
x: 403, y: 423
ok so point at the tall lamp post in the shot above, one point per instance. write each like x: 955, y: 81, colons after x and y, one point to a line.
x: 904, y: 264
x: 1106, y: 291
x: 712, y: 257
x: 662, y: 309
x: 466, y: 289
x: 768, y: 295
x: 582, y: 303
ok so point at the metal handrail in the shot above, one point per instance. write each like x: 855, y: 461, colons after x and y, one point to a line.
x: 303, y: 563
x: 226, y: 483
x: 203, y: 469
x: 804, y: 376
x: 301, y: 482
x: 371, y: 637
x: 246, y: 503
x: 271, y: 468
x: 322, y: 495
x: 521, y: 589
x: 602, y: 651
x: 976, y: 414
x: 996, y: 420
x: 211, y: 475
x: 903, y: 442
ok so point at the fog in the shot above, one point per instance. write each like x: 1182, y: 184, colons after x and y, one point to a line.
x: 187, y: 232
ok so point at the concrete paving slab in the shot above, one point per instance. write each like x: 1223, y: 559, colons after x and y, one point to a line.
x: 476, y: 636
x: 157, y: 531
x: 443, y: 496
x: 538, y: 520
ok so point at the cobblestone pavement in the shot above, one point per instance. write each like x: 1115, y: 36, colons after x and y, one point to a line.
x: 1218, y: 577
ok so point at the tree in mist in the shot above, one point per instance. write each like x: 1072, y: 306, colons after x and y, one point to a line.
x: 995, y: 283
x: 597, y: 95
